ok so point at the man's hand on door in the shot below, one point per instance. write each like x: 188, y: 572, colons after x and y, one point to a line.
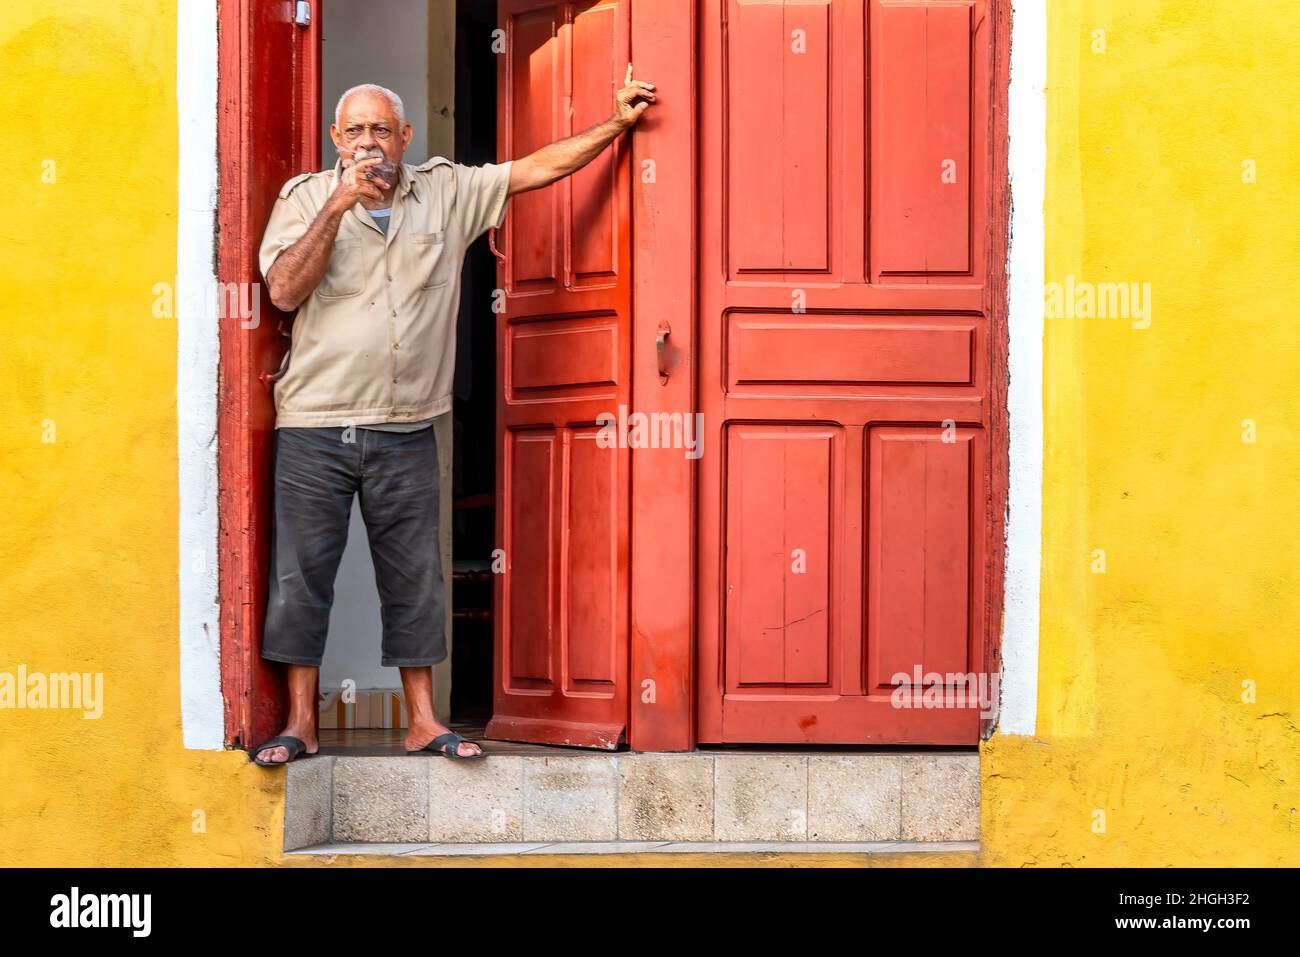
x: 626, y: 111
x: 565, y: 157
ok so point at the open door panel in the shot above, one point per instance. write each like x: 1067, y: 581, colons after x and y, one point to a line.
x: 563, y: 361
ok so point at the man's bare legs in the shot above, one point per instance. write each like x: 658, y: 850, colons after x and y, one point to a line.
x: 303, y: 708
x: 422, y: 724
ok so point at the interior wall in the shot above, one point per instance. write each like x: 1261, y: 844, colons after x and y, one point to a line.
x: 377, y: 43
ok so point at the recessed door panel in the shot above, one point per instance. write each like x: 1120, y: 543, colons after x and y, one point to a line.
x: 532, y: 458
x: 534, y: 78
x: 781, y: 499
x: 778, y: 108
x: 927, y: 146
x: 920, y: 501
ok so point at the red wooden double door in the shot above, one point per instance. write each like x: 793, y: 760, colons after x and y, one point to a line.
x: 843, y: 371
x: 841, y: 342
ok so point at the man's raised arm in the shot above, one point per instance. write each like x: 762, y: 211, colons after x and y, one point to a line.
x: 564, y: 157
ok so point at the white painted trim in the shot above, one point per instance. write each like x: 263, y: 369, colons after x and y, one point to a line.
x: 1027, y: 166
x: 202, y: 715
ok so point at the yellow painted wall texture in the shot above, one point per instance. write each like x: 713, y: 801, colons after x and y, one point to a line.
x: 88, y: 540
x: 1142, y: 667
x: 1141, y: 710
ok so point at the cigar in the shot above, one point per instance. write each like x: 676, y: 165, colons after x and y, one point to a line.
x: 385, y: 170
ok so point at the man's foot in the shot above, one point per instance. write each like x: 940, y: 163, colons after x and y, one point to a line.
x: 279, y: 755
x: 421, y: 735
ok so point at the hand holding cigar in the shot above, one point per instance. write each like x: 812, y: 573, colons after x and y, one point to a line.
x: 382, y: 172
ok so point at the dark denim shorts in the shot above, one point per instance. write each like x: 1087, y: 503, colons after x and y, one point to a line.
x: 317, y: 471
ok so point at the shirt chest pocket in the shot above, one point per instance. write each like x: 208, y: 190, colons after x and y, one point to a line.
x: 345, y: 274
x: 432, y: 261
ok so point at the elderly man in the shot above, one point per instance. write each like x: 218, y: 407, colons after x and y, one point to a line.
x: 370, y: 253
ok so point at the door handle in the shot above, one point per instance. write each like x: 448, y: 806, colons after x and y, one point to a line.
x: 492, y: 244
x: 661, y: 349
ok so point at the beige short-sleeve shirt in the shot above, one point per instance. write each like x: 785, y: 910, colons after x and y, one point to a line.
x: 376, y: 341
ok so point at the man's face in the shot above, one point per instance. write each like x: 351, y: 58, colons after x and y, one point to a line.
x: 367, y: 122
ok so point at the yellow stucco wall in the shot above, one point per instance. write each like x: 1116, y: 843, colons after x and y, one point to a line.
x: 1140, y: 710
x: 88, y: 541
x: 1141, y: 667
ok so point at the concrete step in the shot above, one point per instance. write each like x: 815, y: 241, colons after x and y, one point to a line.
x: 634, y: 802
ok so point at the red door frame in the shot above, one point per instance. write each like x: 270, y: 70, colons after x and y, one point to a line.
x: 663, y: 521
x: 267, y: 86
x: 996, y: 308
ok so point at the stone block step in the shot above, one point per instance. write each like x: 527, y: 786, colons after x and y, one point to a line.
x: 571, y: 798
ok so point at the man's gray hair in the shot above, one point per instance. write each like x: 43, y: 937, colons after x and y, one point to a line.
x: 383, y: 91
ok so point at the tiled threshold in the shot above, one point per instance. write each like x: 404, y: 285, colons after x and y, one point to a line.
x: 635, y: 847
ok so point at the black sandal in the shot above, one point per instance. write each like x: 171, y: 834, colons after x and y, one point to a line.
x: 294, y: 746
x: 448, y: 745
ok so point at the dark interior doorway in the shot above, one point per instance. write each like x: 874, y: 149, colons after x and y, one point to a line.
x: 475, y: 392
